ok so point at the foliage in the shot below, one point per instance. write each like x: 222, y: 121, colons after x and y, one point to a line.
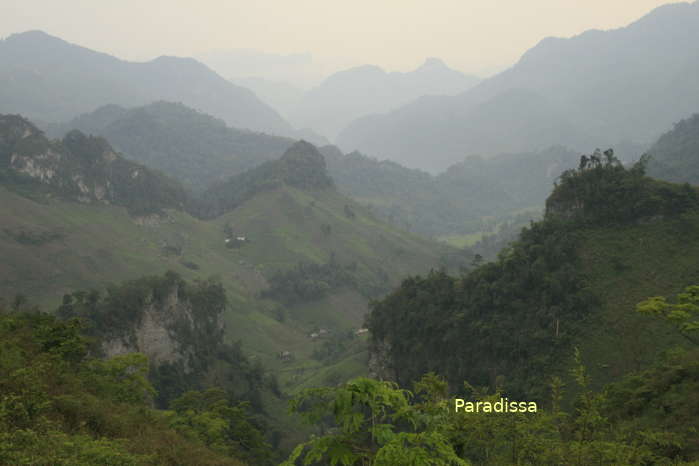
x: 209, y: 417
x: 194, y: 313
x: 684, y: 314
x: 60, y: 406
x: 308, y: 281
x: 512, y: 317
x: 376, y: 425
x: 370, y: 422
x: 602, y: 191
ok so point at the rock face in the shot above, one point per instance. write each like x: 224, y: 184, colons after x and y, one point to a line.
x: 380, y: 366
x: 160, y: 332
x: 83, y: 168
x: 177, y: 325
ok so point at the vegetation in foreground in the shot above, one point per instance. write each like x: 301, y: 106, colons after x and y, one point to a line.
x: 61, y: 406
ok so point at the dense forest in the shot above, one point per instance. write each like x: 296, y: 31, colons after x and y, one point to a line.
x: 62, y: 405
x: 512, y: 320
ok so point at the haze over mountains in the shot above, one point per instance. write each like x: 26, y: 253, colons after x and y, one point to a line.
x: 48, y: 79
x: 191, y: 146
x: 350, y: 94
x: 596, y: 89
x: 179, y: 264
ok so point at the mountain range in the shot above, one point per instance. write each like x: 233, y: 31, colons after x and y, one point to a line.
x: 48, y: 79
x: 346, y: 95
x: 193, y: 147
x: 599, y: 88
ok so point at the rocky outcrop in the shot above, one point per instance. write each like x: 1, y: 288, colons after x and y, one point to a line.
x: 83, y: 168
x: 168, y: 330
x: 380, y: 365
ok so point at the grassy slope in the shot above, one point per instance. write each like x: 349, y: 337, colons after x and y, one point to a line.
x: 626, y: 265
x: 101, y: 244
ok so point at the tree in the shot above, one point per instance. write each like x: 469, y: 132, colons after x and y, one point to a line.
x: 374, y: 424
x: 209, y: 417
x: 684, y: 314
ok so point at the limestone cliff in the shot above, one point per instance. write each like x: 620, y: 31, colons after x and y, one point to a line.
x: 82, y: 168
x: 163, y: 331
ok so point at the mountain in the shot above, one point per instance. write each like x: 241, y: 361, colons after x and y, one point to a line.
x: 195, y: 148
x: 48, y: 79
x: 610, y: 238
x: 350, y: 94
x: 459, y: 200
x: 199, y: 150
x: 301, y: 166
x: 82, y: 168
x: 675, y: 156
x: 279, y: 95
x: 595, y: 89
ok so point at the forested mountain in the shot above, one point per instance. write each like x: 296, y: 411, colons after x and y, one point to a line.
x: 675, y: 156
x: 353, y: 93
x: 301, y: 166
x: 199, y: 150
x: 48, y: 79
x: 610, y: 237
x: 195, y: 148
x: 597, y: 88
x: 82, y: 168
x: 457, y: 201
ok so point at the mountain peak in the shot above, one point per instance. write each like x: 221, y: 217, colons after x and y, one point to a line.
x: 304, y: 166
x: 433, y: 62
x: 34, y: 34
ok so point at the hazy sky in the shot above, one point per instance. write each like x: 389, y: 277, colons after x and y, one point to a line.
x: 470, y: 35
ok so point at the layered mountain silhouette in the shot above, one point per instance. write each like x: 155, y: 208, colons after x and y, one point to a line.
x: 191, y: 146
x: 595, y: 89
x: 350, y: 94
x: 48, y: 79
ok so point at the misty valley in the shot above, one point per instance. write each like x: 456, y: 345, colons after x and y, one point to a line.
x: 205, y: 262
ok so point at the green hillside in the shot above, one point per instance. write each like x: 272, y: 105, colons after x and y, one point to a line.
x: 52, y: 247
x: 610, y: 238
